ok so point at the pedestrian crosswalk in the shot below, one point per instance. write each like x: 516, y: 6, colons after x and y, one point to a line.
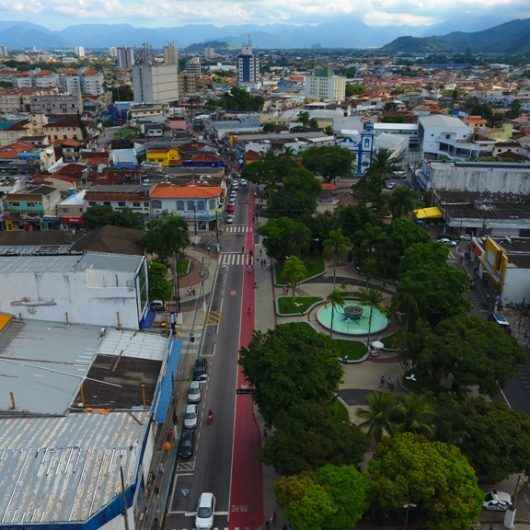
x: 230, y: 259
x: 237, y: 229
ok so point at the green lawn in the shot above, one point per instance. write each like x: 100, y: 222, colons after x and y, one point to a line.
x: 183, y: 266
x: 313, y: 264
x: 350, y: 350
x: 289, y: 305
x: 347, y: 348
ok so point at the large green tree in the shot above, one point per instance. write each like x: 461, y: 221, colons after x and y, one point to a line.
x: 97, y: 216
x: 344, y: 486
x: 466, y: 350
x: 329, y: 161
x: 495, y: 438
x: 296, y: 196
x: 293, y: 272
x: 437, y: 291
x: 378, y: 418
x: 309, y: 434
x: 284, y: 237
x: 159, y: 283
x: 166, y: 236
x: 402, y: 201
x: 433, y: 476
x: 290, y: 365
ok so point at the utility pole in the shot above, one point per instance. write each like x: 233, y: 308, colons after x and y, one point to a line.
x: 124, y: 499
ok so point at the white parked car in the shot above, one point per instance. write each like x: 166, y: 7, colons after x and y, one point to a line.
x: 194, y: 392
x: 390, y: 185
x: 498, y: 501
x: 191, y: 416
x: 230, y: 219
x: 244, y: 182
x: 205, y: 511
x: 447, y: 241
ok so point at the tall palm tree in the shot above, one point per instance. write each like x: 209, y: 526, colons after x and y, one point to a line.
x: 383, y: 164
x: 336, y: 298
x: 378, y: 418
x: 373, y: 298
x: 336, y: 246
x: 414, y: 413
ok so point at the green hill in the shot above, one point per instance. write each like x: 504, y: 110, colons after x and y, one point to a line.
x: 509, y: 38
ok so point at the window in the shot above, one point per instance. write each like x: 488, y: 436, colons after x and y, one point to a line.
x: 180, y: 206
x: 121, y: 203
x: 92, y: 203
x: 15, y: 204
x: 201, y: 205
x: 190, y: 205
x: 106, y: 203
x: 212, y: 204
x: 156, y: 204
x: 136, y: 205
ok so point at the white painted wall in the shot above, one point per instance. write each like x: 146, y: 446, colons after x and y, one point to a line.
x: 516, y: 285
x: 88, y: 297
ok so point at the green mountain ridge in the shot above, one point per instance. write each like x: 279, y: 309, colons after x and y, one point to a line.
x: 509, y: 38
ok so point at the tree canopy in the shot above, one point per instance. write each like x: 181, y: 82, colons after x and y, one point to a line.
x: 97, y: 216
x: 240, y: 99
x: 159, y: 284
x: 435, y: 477
x: 466, y: 350
x: 294, y: 271
x: 290, y: 365
x: 329, y: 161
x: 495, y: 438
x: 342, y: 488
x: 309, y: 434
x: 284, y: 237
x: 166, y: 236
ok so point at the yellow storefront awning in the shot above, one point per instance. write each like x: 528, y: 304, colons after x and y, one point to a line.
x: 433, y: 212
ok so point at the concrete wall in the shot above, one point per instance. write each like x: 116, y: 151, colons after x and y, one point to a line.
x: 101, y: 298
x: 516, y: 285
x: 474, y: 178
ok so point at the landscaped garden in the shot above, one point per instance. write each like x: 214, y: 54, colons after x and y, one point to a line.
x: 313, y: 265
x: 296, y: 305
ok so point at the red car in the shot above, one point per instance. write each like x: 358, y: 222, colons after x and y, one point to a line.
x: 231, y: 208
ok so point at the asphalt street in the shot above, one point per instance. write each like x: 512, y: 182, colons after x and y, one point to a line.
x: 210, y: 469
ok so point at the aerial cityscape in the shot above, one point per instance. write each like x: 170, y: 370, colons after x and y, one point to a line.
x: 265, y: 265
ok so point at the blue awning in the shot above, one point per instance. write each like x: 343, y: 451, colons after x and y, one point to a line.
x: 165, y: 390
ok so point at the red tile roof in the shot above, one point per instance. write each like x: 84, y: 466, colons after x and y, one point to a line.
x: 192, y: 191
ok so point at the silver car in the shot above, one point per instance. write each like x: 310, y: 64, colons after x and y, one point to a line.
x: 191, y: 416
x: 194, y: 392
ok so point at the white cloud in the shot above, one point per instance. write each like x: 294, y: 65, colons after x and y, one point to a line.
x: 223, y: 12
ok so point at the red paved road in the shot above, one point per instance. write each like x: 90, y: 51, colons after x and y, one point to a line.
x: 246, y: 497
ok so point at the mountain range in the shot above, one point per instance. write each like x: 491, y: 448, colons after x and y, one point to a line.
x: 509, y: 38
x: 343, y: 32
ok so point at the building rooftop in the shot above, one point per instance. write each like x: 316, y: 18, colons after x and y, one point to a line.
x: 113, y: 239
x: 172, y: 191
x: 43, y: 364
x: 65, y: 264
x: 441, y: 120
x: 60, y: 470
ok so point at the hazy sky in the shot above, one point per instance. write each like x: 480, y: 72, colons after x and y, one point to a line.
x: 58, y: 13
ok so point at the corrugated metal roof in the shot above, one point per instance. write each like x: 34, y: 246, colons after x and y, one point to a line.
x: 126, y: 343
x: 66, y: 469
x: 63, y: 264
x: 43, y: 364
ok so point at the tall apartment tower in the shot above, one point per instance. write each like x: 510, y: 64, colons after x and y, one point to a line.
x: 247, y: 67
x: 324, y: 85
x: 79, y: 51
x: 154, y: 83
x: 171, y: 54
x: 125, y: 57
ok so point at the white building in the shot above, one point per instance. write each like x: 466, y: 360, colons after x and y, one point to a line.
x: 155, y: 83
x: 92, y: 82
x: 46, y: 80
x: 93, y: 288
x: 70, y: 84
x: 79, y: 51
x: 437, y: 130
x: 323, y: 85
